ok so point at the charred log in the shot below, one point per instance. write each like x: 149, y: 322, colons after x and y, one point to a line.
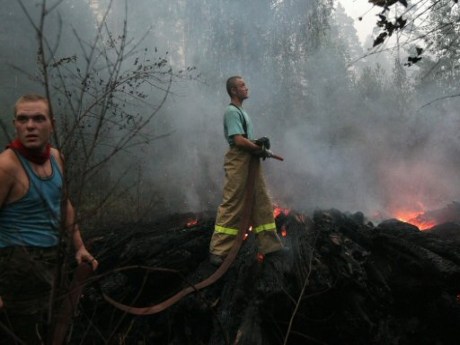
x: 342, y: 280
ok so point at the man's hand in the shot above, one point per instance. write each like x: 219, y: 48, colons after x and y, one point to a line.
x: 264, y: 142
x: 1, y: 303
x: 82, y: 255
x: 264, y: 153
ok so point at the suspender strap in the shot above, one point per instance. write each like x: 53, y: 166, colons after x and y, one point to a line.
x: 243, y: 120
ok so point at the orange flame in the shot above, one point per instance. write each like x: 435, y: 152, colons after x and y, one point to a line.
x: 415, y: 218
x: 277, y: 211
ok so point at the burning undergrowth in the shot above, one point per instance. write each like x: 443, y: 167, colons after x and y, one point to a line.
x: 343, y: 280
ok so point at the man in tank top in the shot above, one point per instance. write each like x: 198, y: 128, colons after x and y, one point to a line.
x: 31, y: 209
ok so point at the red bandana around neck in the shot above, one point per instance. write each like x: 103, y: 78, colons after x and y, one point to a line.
x: 31, y: 155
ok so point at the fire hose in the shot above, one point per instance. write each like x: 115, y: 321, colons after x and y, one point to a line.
x: 244, y: 225
x: 83, y: 272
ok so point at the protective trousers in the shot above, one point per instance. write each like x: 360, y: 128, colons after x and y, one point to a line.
x: 230, y: 210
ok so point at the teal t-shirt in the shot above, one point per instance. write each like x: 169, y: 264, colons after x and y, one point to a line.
x: 234, y: 119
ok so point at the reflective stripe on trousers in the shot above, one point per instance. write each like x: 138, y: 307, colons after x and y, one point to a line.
x: 230, y: 210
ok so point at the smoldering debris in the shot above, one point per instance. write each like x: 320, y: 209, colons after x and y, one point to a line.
x: 342, y: 280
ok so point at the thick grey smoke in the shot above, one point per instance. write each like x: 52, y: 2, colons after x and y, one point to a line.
x: 348, y: 140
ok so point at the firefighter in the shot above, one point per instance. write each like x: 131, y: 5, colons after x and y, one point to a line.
x: 238, y: 131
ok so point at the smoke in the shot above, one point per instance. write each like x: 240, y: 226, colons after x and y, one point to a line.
x: 350, y: 139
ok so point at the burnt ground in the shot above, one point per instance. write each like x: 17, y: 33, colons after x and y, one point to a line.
x: 343, y: 280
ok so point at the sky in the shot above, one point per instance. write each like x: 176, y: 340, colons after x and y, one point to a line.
x: 361, y: 8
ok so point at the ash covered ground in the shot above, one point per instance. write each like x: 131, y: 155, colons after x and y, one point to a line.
x: 343, y: 280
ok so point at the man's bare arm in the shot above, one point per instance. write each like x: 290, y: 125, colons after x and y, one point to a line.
x: 8, y: 174
x: 81, y: 253
x: 245, y: 144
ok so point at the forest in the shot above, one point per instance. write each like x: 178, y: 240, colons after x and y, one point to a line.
x: 138, y: 92
x: 360, y: 127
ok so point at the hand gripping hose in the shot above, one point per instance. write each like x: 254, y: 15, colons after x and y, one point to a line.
x: 244, y: 226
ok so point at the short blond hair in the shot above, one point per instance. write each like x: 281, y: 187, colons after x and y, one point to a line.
x: 31, y: 97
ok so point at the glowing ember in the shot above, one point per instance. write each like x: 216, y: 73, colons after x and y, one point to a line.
x: 191, y: 223
x: 283, y: 231
x: 260, y: 257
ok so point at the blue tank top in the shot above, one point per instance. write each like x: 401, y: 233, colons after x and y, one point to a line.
x: 34, y: 220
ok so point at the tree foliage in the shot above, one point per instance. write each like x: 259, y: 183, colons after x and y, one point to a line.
x: 430, y: 26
